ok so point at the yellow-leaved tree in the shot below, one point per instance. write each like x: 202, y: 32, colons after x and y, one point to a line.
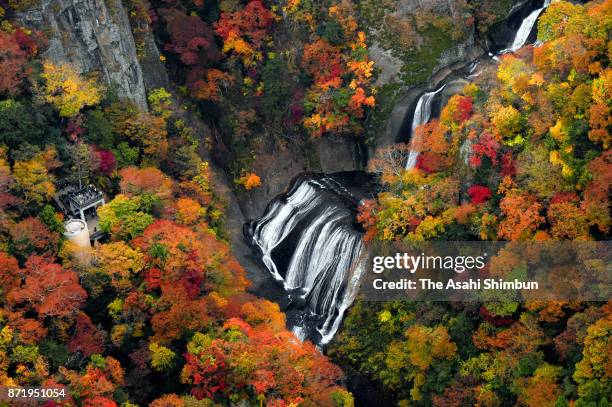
x: 412, y: 358
x: 68, y: 91
x: 33, y: 178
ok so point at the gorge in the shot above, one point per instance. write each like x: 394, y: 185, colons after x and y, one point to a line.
x: 244, y: 158
x: 305, y: 236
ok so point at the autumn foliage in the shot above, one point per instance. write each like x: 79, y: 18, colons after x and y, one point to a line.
x: 537, y: 132
x: 249, y: 181
x: 122, y: 323
x: 14, y: 60
x: 159, y: 311
x: 479, y: 194
x: 518, y: 155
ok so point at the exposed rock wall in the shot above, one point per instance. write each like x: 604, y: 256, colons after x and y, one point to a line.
x: 92, y: 36
x: 405, y: 53
x: 154, y: 71
x: 277, y: 165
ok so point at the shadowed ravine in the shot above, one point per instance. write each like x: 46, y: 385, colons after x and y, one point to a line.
x: 308, y: 240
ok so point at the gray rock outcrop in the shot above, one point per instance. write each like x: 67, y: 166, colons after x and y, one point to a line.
x: 92, y: 36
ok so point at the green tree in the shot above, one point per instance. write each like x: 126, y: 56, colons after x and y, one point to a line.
x: 100, y: 129
x: 123, y: 217
x: 277, y: 91
x: 592, y: 372
x: 52, y: 219
x: 18, y: 124
x: 126, y: 156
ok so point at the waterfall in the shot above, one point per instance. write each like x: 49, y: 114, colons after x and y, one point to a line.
x: 299, y: 333
x: 312, y: 227
x: 308, y: 241
x: 525, y: 29
x: 331, y: 324
x: 280, y: 219
x: 422, y: 113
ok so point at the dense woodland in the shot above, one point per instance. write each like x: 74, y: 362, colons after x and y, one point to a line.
x: 159, y: 314
x: 538, y: 127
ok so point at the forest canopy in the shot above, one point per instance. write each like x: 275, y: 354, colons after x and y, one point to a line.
x: 522, y: 153
x: 156, y: 313
x: 159, y: 311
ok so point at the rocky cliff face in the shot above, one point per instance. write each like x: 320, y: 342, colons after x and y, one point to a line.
x: 93, y: 36
x: 279, y: 164
x: 401, y: 34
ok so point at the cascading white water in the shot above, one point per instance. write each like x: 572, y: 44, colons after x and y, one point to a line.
x: 279, y: 220
x: 326, y: 263
x: 422, y: 113
x: 331, y: 324
x: 299, y: 333
x: 525, y: 29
